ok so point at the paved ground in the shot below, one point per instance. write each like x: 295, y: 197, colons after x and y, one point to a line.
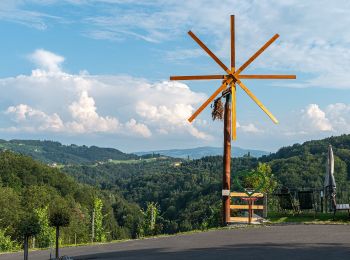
x: 272, y: 242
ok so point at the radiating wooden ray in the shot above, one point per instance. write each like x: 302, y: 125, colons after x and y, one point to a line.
x: 233, y: 50
x: 210, y: 99
x: 266, y: 77
x: 252, y: 58
x: 257, y: 101
x: 210, y: 53
x: 198, y: 77
x: 208, y: 77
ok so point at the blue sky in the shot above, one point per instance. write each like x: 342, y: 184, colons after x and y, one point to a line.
x: 96, y: 72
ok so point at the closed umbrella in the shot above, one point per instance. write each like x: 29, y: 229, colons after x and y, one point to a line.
x: 329, y: 181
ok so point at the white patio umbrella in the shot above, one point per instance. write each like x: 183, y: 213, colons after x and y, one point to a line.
x: 329, y: 180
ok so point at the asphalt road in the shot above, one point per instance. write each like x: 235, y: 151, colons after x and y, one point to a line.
x: 271, y: 242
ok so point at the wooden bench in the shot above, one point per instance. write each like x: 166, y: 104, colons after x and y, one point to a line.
x: 341, y: 207
x: 253, y: 207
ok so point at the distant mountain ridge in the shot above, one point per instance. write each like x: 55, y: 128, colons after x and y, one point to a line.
x: 55, y: 152
x: 52, y: 152
x: 199, y: 152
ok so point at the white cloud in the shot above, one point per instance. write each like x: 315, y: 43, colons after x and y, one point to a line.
x: 312, y: 120
x: 47, y: 61
x: 315, y: 119
x: 17, y: 11
x: 87, y: 120
x: 312, y: 42
x: 52, y: 100
x: 314, y: 34
x: 138, y: 128
x: 339, y: 115
x: 35, y: 120
x: 249, y: 128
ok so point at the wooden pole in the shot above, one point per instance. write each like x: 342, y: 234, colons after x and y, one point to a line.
x: 57, y: 242
x: 26, y: 247
x: 227, y: 162
x: 93, y: 226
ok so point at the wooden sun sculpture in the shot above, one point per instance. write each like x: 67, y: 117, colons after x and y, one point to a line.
x: 232, y: 77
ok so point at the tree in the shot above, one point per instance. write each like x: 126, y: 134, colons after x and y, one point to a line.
x: 28, y: 226
x: 47, y: 233
x: 59, y: 217
x: 150, y: 214
x: 260, y: 178
x: 6, y: 244
x: 98, y: 221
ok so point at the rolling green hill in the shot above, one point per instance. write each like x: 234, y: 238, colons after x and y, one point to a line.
x: 54, y: 152
x: 188, y: 192
x: 27, y: 186
x: 167, y: 194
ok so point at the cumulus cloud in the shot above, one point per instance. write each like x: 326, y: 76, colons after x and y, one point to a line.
x: 315, y: 119
x: 248, y: 128
x: 138, y: 128
x: 339, y: 116
x: 47, y: 60
x: 31, y: 119
x: 52, y: 100
x: 87, y: 119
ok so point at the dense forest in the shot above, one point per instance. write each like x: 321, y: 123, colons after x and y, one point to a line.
x: 187, y: 192
x: 28, y: 188
x: 144, y: 196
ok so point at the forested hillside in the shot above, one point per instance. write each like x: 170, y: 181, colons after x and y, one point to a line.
x: 188, y: 192
x: 304, y: 165
x: 31, y: 188
x: 149, y: 196
x: 55, y: 152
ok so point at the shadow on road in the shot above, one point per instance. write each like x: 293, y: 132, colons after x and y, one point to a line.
x: 241, y: 251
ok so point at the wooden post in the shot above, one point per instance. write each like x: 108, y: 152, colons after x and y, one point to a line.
x: 25, y: 247
x: 250, y: 211
x: 57, y: 241
x: 93, y: 226
x: 265, y: 206
x: 227, y: 162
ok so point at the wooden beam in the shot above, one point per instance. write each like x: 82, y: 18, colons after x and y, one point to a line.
x: 210, y: 53
x: 243, y: 194
x: 233, y: 85
x: 257, y: 101
x: 251, y: 59
x: 210, y: 99
x: 197, y: 77
x: 267, y: 76
x: 233, y: 52
x: 246, y: 207
x: 242, y: 219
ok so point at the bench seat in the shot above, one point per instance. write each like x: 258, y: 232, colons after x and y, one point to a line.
x: 342, y: 207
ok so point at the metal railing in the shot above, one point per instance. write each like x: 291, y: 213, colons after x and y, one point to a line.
x: 321, y: 202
